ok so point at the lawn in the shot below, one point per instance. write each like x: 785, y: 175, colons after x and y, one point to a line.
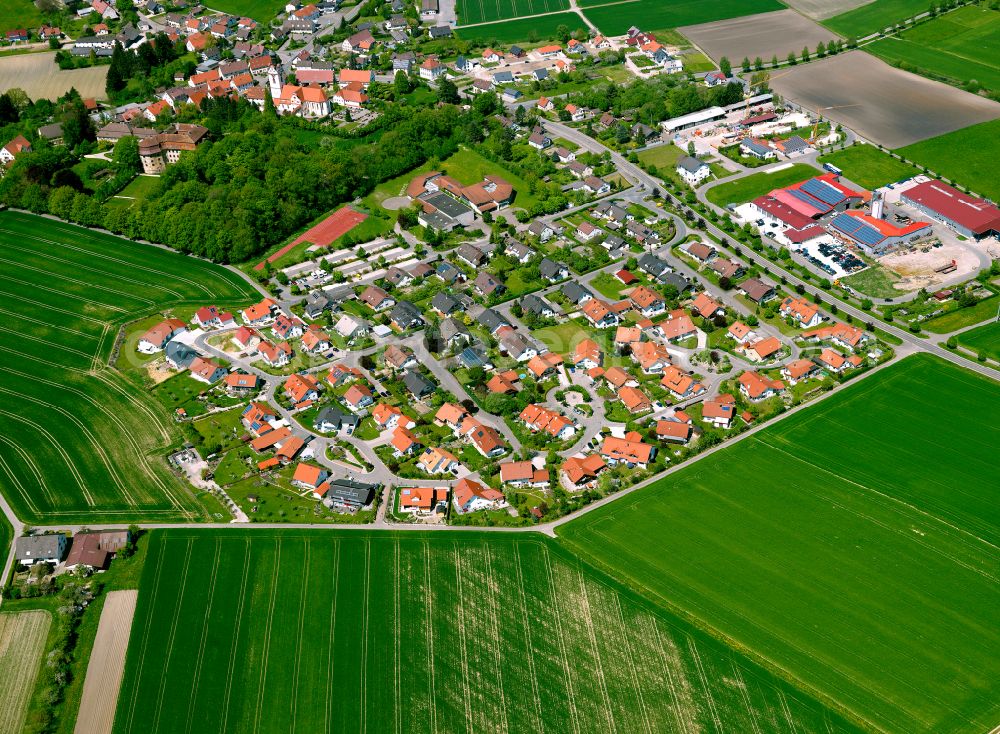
x: 873, y: 17
x: 983, y: 339
x: 758, y: 184
x: 849, y: 546
x: 967, y: 156
x: 78, y: 440
x: 529, y: 30
x: 242, y: 630
x: 868, y: 166
x: 957, y: 47
x: 260, y: 10
x: 138, y: 189
x: 22, y: 642
x: 662, y: 156
x: 653, y: 15
x: 468, y: 167
x: 484, y: 11
x: 963, y: 317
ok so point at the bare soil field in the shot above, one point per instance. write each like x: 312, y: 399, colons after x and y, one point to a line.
x: 917, y: 268
x: 823, y: 9
x: 881, y: 103
x: 763, y: 35
x: 41, y: 78
x: 22, y: 641
x: 107, y: 663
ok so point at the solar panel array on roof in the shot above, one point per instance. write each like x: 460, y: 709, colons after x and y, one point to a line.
x: 858, y: 229
x: 823, y: 191
x: 815, y: 203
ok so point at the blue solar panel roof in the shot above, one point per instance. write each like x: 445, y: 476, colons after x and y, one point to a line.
x: 821, y: 206
x: 823, y: 191
x: 858, y: 229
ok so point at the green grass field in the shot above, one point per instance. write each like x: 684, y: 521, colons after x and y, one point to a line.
x: 662, y: 155
x: 873, y: 17
x: 967, y: 156
x: 963, y: 317
x: 875, y: 281
x: 260, y: 10
x: 853, y: 546
x: 957, y: 47
x: 521, y: 29
x: 983, y: 339
x: 654, y: 15
x: 338, y: 631
x: 868, y: 166
x: 19, y: 14
x: 758, y: 184
x: 486, y: 11
x: 79, y: 441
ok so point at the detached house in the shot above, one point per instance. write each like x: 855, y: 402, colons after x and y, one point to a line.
x: 599, y: 313
x: 630, y: 450
x: 472, y: 496
x: 803, y: 313
x: 757, y: 387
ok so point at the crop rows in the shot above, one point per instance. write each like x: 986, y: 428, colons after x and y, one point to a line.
x: 409, y: 633
x: 76, y: 439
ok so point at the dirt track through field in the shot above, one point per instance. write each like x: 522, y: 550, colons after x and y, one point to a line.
x: 107, y: 663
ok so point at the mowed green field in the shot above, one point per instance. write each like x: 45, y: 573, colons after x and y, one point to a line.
x: 868, y: 166
x: 486, y: 11
x: 758, y: 184
x: 874, y: 17
x: 241, y: 630
x: 521, y: 29
x: 19, y: 14
x: 983, y: 339
x: 615, y: 18
x: 260, y: 10
x: 853, y: 545
x: 967, y: 156
x: 77, y: 440
x: 958, y: 47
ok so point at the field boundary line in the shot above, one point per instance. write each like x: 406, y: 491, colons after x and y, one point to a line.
x: 631, y: 663
x: 267, y: 632
x: 429, y: 607
x: 294, y: 702
x: 173, y: 633
x: 204, y: 636
x: 589, y: 621
x: 574, y: 712
x: 396, y: 651
x: 494, y: 591
x: 528, y: 645
x: 333, y: 634
x: 461, y: 634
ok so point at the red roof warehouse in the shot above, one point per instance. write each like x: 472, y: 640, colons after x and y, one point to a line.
x: 970, y: 216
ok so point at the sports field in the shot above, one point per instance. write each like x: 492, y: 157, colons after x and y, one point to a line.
x: 487, y: 11
x: 874, y: 16
x: 983, y: 339
x: 967, y: 156
x: 758, y: 184
x: 868, y: 166
x: 241, y: 630
x: 78, y: 441
x: 853, y: 545
x: 958, y: 47
x: 22, y: 642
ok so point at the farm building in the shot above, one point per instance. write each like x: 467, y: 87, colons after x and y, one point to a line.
x: 967, y: 215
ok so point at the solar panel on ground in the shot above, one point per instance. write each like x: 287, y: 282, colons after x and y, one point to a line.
x: 823, y: 191
x: 820, y: 206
